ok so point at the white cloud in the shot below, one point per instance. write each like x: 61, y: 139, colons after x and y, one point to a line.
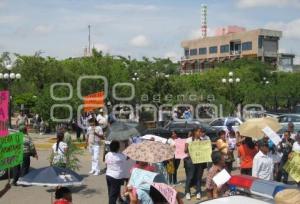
x: 290, y: 29
x: 43, y: 29
x: 264, y: 3
x: 127, y: 7
x: 140, y: 41
x: 102, y: 47
x: 173, y: 56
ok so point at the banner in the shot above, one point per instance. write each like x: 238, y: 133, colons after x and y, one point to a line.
x: 292, y: 167
x: 93, y: 101
x: 200, y: 151
x: 179, y: 150
x: 4, y: 100
x: 11, y: 150
x: 167, y: 191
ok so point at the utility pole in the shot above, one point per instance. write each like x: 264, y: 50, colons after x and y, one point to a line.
x: 89, y: 51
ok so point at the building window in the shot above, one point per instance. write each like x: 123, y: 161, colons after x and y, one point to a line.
x: 213, y: 49
x: 186, y: 52
x: 247, y: 46
x: 193, y: 52
x: 202, y: 51
x: 260, y: 41
x: 224, y: 48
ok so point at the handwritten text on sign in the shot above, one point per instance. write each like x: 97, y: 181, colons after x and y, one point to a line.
x: 180, y: 146
x: 4, y: 99
x: 167, y: 191
x: 11, y: 150
x: 200, y: 151
x: 292, y: 167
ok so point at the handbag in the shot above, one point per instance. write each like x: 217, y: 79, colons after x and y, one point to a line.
x: 170, y: 167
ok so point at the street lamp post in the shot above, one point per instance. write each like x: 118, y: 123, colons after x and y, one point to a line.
x: 231, y: 81
x: 9, y: 77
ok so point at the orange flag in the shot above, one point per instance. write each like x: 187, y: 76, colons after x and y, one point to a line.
x: 93, y: 101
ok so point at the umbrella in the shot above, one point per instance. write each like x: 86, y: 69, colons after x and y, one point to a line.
x: 122, y: 131
x: 253, y: 127
x: 51, y: 176
x: 149, y: 151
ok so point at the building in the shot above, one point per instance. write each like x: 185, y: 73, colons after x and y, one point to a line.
x: 229, y: 44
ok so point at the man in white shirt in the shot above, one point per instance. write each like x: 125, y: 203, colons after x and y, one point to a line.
x: 101, y: 119
x: 94, y: 134
x: 263, y: 164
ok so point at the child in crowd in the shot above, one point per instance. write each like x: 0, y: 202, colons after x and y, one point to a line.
x: 213, y: 191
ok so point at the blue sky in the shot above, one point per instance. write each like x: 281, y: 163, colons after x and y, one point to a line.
x: 152, y: 28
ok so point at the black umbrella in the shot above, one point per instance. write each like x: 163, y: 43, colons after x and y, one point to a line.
x: 123, y: 131
x: 51, y: 176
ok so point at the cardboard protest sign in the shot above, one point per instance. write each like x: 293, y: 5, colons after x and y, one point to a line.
x: 141, y: 179
x: 292, y: 167
x: 179, y: 150
x: 4, y: 100
x: 200, y: 151
x: 221, y: 178
x: 274, y: 137
x: 11, y: 150
x: 167, y: 191
x: 93, y: 101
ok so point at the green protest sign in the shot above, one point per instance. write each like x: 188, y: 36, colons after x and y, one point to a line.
x: 11, y: 150
x: 292, y: 167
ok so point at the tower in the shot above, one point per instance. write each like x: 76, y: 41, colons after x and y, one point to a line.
x: 204, y: 20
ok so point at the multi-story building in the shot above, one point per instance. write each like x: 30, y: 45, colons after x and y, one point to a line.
x: 204, y: 53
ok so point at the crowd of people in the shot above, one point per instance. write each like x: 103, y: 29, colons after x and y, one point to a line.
x: 261, y: 159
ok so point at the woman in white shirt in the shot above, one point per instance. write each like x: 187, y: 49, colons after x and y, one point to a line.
x: 115, y: 172
x: 59, y: 150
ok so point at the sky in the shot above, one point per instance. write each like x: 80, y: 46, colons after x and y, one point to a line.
x: 136, y: 28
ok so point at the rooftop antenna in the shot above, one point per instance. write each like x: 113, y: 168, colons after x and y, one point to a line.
x: 204, y: 20
x: 89, y: 49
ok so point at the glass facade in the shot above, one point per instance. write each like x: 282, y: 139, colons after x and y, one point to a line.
x: 247, y: 46
x: 213, y: 50
x: 193, y: 52
x: 224, y: 48
x: 203, y: 51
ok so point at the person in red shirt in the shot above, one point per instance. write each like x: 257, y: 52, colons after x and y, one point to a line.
x: 63, y: 195
x: 246, y: 153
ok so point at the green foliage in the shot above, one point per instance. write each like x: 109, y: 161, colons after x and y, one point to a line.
x: 39, y: 73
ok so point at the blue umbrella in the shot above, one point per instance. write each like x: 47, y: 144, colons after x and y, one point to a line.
x: 51, y: 176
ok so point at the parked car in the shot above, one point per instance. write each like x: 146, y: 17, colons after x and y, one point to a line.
x: 222, y: 123
x: 182, y: 128
x: 285, y: 119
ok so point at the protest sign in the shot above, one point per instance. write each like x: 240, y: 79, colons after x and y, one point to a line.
x: 11, y: 150
x: 4, y: 100
x: 179, y: 150
x: 200, y: 151
x: 221, y: 178
x: 274, y: 137
x: 167, y: 191
x: 292, y: 167
x: 141, y: 179
x: 155, y: 138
